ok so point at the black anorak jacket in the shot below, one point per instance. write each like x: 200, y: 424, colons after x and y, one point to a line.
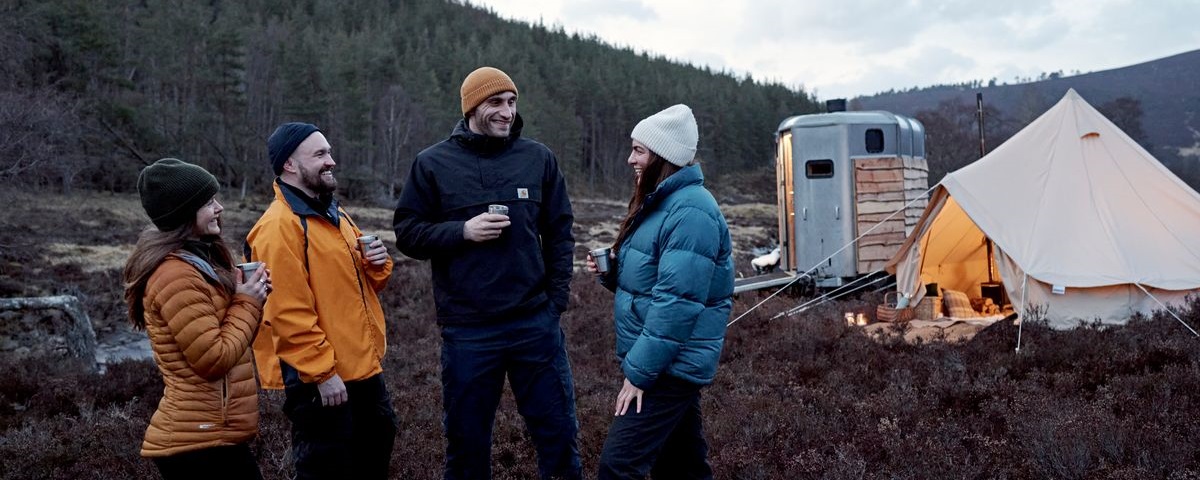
x: 455, y: 180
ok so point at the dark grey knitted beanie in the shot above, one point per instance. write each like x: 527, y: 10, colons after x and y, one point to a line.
x: 282, y: 143
x: 173, y: 190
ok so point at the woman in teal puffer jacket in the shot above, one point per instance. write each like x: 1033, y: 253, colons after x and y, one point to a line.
x: 673, y: 278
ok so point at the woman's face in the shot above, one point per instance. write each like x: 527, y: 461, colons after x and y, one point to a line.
x: 639, y: 157
x: 208, y: 218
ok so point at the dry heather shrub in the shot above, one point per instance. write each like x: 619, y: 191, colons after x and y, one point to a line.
x: 799, y: 397
x: 58, y: 422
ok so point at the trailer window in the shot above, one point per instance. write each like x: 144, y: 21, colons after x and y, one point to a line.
x: 874, y: 140
x: 818, y: 168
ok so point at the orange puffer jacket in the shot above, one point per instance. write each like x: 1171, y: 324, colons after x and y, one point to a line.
x: 323, y: 317
x: 201, y: 340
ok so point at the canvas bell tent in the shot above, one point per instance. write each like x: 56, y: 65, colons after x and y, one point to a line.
x: 1072, y: 217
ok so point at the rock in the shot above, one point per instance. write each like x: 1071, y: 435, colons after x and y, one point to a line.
x: 47, y: 326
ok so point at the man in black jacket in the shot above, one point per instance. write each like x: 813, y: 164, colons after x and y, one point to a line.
x: 500, y: 281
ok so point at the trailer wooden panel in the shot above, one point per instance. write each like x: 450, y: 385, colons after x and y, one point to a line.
x: 882, y: 187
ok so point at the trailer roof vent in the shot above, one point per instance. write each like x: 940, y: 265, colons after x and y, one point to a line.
x: 835, y: 105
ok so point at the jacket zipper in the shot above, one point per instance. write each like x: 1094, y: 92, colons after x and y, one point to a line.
x: 362, y: 294
x: 225, y: 399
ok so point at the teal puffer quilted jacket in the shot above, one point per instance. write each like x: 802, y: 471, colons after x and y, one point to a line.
x: 674, y: 284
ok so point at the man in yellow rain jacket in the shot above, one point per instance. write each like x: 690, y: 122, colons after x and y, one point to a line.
x: 323, y: 338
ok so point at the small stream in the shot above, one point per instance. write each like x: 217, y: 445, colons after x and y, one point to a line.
x: 121, y: 347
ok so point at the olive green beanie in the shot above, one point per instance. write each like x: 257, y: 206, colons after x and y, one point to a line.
x: 172, y: 191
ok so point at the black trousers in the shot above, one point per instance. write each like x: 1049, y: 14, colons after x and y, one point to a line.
x: 531, y: 353
x: 234, y: 462
x: 351, y: 440
x: 665, y: 440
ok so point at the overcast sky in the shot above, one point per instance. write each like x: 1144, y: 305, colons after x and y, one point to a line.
x: 847, y: 48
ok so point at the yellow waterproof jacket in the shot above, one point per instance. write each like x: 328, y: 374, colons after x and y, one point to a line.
x: 323, y: 315
x: 201, y: 337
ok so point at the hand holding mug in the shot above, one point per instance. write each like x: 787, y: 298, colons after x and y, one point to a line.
x: 599, y: 260
x: 373, y: 251
x: 253, y: 279
x: 485, y: 226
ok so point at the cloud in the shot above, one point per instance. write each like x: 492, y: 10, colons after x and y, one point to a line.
x: 593, y: 10
x: 845, y: 49
x: 1034, y: 32
x: 908, y: 68
x: 940, y: 61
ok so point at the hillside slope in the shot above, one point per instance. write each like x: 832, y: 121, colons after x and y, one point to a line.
x: 1165, y: 87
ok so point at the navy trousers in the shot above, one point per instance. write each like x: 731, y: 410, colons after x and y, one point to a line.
x: 666, y: 440
x: 234, y: 462
x: 351, y: 440
x: 531, y: 352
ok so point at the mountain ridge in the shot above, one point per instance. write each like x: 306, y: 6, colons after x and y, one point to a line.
x: 1165, y: 88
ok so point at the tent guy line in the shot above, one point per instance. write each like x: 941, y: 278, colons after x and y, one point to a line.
x: 837, y: 293
x: 808, y: 273
x: 1168, y: 309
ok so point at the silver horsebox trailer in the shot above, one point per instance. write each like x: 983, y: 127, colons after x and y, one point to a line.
x: 838, y: 175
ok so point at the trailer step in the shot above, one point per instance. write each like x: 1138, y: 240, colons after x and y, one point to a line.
x: 759, y: 282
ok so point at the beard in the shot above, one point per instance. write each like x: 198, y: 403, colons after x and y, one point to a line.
x: 317, y: 183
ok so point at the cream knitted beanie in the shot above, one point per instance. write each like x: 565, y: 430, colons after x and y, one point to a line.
x: 671, y: 133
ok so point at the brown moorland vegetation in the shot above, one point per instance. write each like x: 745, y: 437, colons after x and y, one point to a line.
x: 801, y: 397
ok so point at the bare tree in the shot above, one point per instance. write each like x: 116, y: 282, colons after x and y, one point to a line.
x: 952, y: 138
x: 397, y: 119
x: 37, y: 132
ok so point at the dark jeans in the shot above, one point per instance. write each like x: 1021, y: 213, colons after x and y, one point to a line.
x: 234, y: 462
x: 666, y: 440
x: 351, y: 440
x: 531, y: 352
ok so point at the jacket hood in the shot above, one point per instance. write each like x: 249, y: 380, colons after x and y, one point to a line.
x: 201, y: 264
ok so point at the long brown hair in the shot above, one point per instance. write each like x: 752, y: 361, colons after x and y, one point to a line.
x: 152, y: 248
x: 658, y: 170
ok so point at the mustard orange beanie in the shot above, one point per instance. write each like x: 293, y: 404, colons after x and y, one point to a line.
x: 483, y: 83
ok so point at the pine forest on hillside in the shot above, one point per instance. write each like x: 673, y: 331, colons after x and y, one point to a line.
x: 92, y: 90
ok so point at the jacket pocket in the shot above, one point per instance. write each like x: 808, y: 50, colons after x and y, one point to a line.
x: 459, y: 204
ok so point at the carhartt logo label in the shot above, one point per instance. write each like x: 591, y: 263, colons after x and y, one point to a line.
x: 522, y: 193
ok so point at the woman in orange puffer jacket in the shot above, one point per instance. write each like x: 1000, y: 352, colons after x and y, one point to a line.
x: 182, y: 288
